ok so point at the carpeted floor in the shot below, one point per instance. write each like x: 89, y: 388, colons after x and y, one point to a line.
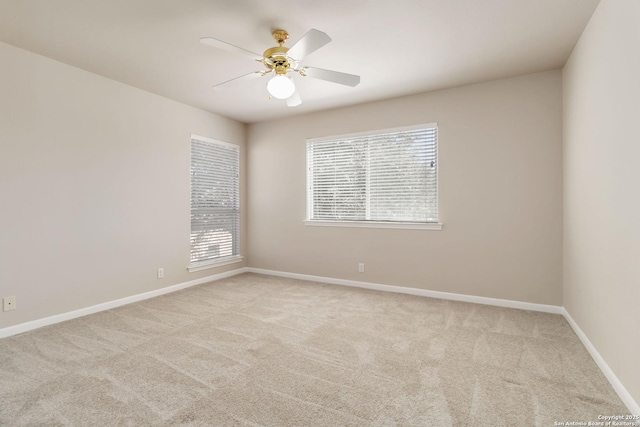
x: 256, y: 350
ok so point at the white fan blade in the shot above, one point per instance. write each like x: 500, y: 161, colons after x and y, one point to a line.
x: 229, y: 47
x: 244, y: 77
x: 294, y: 100
x: 308, y: 44
x: 332, y: 76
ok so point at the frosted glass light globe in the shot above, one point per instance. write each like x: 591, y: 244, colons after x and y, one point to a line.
x: 281, y: 86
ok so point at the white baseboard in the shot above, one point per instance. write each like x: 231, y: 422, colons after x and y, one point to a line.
x: 619, y: 388
x: 556, y: 309
x: 28, y: 326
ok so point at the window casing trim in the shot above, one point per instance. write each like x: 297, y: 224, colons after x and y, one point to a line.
x: 374, y: 132
x: 376, y: 224
x: 205, y: 265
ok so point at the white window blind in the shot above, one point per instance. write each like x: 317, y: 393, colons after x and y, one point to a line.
x: 383, y: 176
x: 215, y: 200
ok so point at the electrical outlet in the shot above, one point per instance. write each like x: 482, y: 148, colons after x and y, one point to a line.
x: 361, y: 267
x: 9, y: 303
x: 161, y: 273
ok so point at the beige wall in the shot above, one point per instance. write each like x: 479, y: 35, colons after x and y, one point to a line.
x: 500, y: 194
x: 602, y: 187
x: 94, y: 187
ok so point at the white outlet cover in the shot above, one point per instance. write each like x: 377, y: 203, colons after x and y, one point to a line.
x: 9, y: 303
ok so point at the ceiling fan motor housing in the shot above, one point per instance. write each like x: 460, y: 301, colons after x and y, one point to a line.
x: 276, y: 57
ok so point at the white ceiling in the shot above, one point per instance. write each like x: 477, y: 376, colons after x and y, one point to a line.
x: 398, y: 47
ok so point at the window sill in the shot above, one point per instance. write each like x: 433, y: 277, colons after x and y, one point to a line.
x: 199, y: 266
x: 377, y: 224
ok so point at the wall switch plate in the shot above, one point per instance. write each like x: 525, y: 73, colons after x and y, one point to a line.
x: 9, y: 303
x: 161, y: 273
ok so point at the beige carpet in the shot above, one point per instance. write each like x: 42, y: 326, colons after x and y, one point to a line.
x: 255, y: 350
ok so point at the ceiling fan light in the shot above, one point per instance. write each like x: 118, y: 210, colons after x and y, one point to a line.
x: 281, y: 86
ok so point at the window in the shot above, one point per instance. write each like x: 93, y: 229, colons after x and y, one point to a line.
x: 384, y: 178
x: 215, y: 203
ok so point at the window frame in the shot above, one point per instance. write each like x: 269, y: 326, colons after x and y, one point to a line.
x: 200, y: 265
x: 436, y: 225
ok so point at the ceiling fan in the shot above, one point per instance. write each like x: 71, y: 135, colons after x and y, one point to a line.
x: 282, y: 60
